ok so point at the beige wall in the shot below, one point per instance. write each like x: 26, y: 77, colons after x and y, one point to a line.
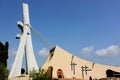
x: 62, y: 60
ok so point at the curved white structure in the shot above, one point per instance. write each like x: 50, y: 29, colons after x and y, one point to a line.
x: 25, y: 46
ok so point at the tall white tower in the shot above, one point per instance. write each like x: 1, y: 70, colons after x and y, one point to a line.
x: 25, y: 46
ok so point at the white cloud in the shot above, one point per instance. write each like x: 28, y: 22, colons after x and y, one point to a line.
x: 87, y: 51
x: 111, y: 51
x: 43, y: 53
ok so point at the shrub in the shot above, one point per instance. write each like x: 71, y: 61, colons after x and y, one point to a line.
x: 39, y: 75
x: 3, y: 72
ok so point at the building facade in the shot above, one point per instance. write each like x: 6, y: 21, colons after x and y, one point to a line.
x: 62, y: 64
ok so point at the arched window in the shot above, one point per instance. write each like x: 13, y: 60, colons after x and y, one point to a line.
x: 60, y: 73
x: 49, y: 71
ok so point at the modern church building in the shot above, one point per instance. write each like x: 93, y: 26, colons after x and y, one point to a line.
x: 62, y: 64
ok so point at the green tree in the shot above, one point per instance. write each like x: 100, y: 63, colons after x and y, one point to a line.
x: 3, y: 61
x: 4, y: 53
x: 3, y: 72
x: 39, y: 75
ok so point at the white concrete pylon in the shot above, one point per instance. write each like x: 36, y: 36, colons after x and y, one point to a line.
x: 25, y: 46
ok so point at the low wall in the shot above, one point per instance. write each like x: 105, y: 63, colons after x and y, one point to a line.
x: 21, y: 78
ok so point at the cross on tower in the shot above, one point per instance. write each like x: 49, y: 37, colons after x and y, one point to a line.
x: 25, y: 45
x: 85, y: 68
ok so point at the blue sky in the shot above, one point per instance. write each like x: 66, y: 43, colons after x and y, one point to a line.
x: 89, y: 29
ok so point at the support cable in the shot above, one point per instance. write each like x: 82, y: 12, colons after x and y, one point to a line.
x: 46, y: 43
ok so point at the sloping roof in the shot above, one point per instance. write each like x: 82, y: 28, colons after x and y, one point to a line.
x: 61, y: 59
